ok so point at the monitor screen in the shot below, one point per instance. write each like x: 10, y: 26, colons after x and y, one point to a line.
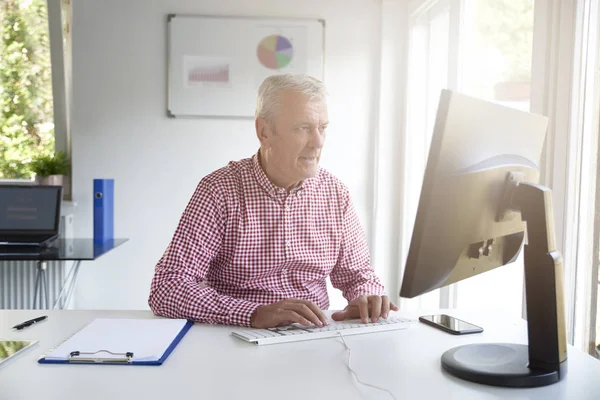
x: 29, y: 208
x: 462, y: 228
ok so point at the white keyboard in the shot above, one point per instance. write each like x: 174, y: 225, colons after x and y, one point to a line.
x: 297, y: 332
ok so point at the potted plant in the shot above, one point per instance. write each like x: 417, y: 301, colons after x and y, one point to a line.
x: 49, y: 169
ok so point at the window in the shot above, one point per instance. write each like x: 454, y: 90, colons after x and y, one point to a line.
x: 26, y: 118
x: 496, y: 44
x: 490, y: 54
x: 34, y: 83
x: 481, y: 48
x: 584, y: 131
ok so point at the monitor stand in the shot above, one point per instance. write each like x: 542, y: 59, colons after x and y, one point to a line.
x: 544, y: 360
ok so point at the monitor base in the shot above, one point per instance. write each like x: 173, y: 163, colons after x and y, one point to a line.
x: 497, y: 364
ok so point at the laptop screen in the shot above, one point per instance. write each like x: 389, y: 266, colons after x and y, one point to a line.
x: 29, y: 208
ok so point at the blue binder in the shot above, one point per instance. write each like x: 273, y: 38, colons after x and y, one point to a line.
x: 95, y: 337
x: 104, y: 208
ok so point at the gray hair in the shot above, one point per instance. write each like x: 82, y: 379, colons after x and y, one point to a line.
x: 268, y: 92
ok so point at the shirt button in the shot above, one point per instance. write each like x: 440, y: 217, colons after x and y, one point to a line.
x: 288, y: 244
x: 284, y: 271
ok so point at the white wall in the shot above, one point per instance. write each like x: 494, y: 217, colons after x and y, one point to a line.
x: 120, y: 129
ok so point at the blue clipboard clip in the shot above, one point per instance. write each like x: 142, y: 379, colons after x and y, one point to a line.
x: 76, y: 357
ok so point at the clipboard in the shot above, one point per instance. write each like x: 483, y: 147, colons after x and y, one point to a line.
x: 120, y: 342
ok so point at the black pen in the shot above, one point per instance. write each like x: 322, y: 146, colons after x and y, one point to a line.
x: 30, y: 322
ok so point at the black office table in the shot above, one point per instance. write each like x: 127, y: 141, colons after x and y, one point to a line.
x: 77, y: 250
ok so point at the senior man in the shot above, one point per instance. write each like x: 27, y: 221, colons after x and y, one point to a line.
x: 260, y: 236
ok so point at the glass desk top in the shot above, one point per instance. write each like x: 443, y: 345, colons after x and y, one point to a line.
x: 62, y: 250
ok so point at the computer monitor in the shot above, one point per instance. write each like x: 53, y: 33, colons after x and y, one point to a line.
x: 480, y: 202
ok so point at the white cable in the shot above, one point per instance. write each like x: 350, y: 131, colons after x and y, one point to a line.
x: 354, y: 373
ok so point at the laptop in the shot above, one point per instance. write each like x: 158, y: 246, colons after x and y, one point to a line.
x: 29, y: 215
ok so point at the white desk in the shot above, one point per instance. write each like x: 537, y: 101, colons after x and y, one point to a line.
x: 211, y: 364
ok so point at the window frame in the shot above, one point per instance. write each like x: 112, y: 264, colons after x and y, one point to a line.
x: 420, y: 16
x: 59, y: 35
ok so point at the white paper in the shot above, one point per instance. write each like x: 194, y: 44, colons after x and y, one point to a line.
x: 147, y: 339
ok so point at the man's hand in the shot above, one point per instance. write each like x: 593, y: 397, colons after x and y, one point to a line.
x: 287, y: 312
x: 363, y: 307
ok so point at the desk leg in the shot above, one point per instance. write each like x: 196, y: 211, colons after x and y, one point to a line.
x: 41, y: 284
x: 66, y: 287
x: 73, y: 282
x: 46, y: 284
x: 37, y: 286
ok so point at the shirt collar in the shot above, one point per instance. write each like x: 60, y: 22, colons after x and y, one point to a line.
x: 273, y: 190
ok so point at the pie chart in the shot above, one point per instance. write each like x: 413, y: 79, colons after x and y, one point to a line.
x: 275, y: 52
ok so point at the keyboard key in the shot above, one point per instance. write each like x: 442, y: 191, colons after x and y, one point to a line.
x: 248, y: 334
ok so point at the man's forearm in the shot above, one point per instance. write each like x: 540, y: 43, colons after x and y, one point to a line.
x: 176, y: 297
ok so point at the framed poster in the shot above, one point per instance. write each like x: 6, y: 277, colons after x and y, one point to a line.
x: 216, y: 64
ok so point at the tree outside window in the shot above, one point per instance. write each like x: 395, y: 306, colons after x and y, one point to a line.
x: 499, y: 44
x: 26, y: 114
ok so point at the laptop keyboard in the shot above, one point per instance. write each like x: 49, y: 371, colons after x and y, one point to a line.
x: 23, y: 239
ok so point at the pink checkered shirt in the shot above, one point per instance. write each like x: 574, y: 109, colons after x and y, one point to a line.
x: 242, y: 242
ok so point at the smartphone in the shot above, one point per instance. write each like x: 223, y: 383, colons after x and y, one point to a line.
x: 450, y: 324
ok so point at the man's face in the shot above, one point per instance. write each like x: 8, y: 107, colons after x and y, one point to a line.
x: 294, y: 138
